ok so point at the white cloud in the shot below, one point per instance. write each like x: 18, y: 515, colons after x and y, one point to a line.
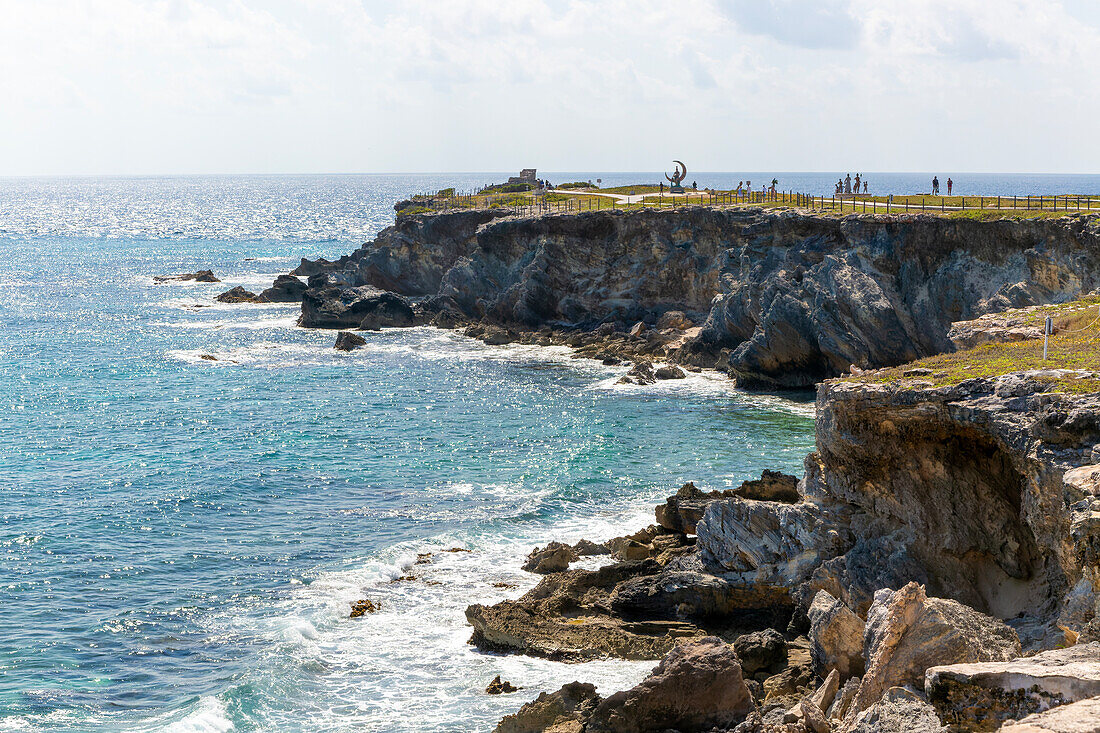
x: 351, y: 85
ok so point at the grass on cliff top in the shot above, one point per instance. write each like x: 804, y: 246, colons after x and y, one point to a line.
x: 1074, y: 345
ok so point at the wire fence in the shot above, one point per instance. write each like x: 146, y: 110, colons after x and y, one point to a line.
x: 556, y: 201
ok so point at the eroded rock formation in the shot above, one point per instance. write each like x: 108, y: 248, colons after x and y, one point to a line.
x: 784, y: 300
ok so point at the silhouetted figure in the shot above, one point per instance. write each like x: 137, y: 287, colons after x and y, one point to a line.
x: 662, y: 188
x: 865, y: 187
x: 950, y: 183
x: 935, y: 185
x: 694, y: 186
x: 857, y: 183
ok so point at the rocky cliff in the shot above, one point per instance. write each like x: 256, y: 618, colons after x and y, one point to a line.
x: 784, y: 299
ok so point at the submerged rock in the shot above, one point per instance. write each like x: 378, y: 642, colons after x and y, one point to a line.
x: 669, y: 371
x: 497, y: 687
x: 984, y: 695
x: 362, y: 607
x: 200, y: 276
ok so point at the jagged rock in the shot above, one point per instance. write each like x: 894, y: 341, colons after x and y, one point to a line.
x: 683, y: 510
x: 688, y: 594
x: 836, y: 637
x: 669, y: 371
x: 497, y: 687
x: 285, y: 289
x: 236, y: 295
x: 585, y: 548
x: 872, y: 563
x: 696, y: 687
x: 972, y: 479
x: 761, y: 650
x: 900, y: 710
x: 771, y: 486
x: 637, y: 329
x: 843, y: 699
x: 566, y: 617
x: 991, y: 329
x: 348, y: 341
x: 770, y: 542
x: 364, y: 606
x: 825, y: 695
x: 554, y: 558
x: 983, y: 695
x: 813, y: 716
x: 563, y: 711
x: 1084, y: 479
x: 327, y: 306
x: 1078, y: 717
x: 640, y: 373
x: 908, y: 632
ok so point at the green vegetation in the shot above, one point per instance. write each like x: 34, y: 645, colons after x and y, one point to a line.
x: 446, y: 193
x: 575, y: 185
x: 1074, y: 345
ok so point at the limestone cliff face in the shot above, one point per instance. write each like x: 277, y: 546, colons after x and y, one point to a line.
x: 988, y: 492
x: 787, y: 299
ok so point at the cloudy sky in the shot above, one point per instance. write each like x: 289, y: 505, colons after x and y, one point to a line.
x: 233, y: 86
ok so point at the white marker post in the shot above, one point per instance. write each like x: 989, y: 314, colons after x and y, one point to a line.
x: 1046, y: 335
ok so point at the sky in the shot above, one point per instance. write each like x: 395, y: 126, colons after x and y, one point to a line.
x: 357, y: 86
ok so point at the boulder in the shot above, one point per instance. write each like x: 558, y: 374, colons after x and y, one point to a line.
x: 669, y: 371
x: 900, y: 710
x: 813, y: 716
x: 761, y: 650
x: 825, y: 695
x: 675, y: 320
x: 1077, y: 717
x: 637, y: 329
x: 836, y: 637
x: 983, y: 695
x: 696, y: 687
x: 236, y: 295
x: 843, y: 699
x: 348, y: 341
x: 554, y: 558
x: 363, y: 607
x: 563, y: 711
x: 771, y: 486
x: 908, y: 632
x: 285, y: 289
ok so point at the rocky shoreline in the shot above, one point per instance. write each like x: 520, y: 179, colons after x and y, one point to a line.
x: 937, y: 567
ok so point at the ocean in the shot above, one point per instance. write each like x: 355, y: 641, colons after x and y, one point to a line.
x: 181, y: 538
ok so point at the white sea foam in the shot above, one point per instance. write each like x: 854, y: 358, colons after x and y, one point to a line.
x: 206, y: 715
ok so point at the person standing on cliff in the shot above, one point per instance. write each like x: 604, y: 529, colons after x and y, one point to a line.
x: 950, y: 183
x: 935, y: 185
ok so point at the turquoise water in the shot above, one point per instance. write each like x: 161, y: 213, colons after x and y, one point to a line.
x: 180, y: 538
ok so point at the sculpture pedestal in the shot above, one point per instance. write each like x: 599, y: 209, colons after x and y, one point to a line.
x: 676, y: 189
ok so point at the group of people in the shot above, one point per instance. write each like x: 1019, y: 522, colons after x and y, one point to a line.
x: 936, y: 186
x: 844, y: 185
